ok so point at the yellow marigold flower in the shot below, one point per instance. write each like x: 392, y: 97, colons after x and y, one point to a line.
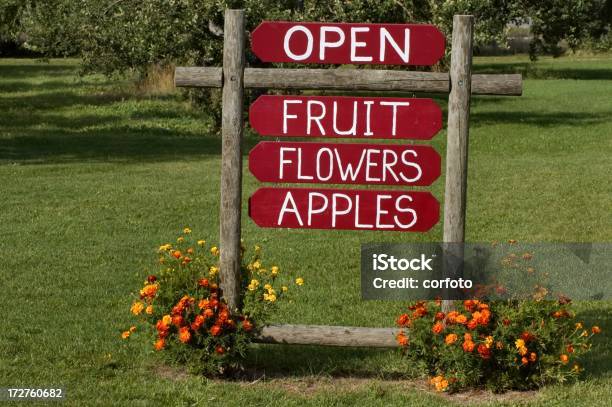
x: 523, y: 350
x: 186, y: 231
x: 256, y: 264
x: 214, y: 251
x: 132, y: 329
x: 165, y: 247
x: 201, y: 243
x: 180, y: 239
x: 584, y: 333
x: 257, y: 249
x: 137, y: 308
x: 519, y: 343
x: 576, y: 368
x: 274, y: 271
x: 251, y: 287
x: 578, y: 325
x: 267, y: 287
x: 255, y: 282
x: 284, y: 288
x: 149, y: 309
x: 271, y: 291
x: 271, y: 297
x: 213, y: 271
x: 489, y: 341
x: 125, y: 335
x: 167, y: 320
x: 299, y: 281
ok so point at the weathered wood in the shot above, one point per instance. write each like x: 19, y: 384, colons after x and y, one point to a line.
x: 329, y: 336
x: 231, y: 156
x: 350, y: 79
x: 198, y: 77
x: 457, y: 145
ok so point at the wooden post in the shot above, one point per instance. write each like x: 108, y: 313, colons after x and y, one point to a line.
x: 231, y: 156
x: 457, y: 145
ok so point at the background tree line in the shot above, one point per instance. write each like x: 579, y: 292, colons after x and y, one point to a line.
x: 114, y: 36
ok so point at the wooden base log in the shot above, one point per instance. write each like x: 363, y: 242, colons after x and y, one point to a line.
x: 329, y: 336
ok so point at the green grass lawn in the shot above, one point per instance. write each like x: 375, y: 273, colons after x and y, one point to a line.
x: 95, y: 176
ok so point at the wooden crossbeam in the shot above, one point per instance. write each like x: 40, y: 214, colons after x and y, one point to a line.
x: 350, y: 79
x: 329, y: 336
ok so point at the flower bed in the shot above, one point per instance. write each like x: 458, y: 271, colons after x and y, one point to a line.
x: 183, y: 305
x: 501, y: 345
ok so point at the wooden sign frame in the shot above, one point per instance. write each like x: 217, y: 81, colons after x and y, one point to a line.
x: 233, y: 78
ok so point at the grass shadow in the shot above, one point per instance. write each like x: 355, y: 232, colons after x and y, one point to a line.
x: 534, y: 71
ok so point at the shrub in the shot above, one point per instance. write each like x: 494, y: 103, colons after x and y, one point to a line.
x: 501, y: 346
x: 184, y: 306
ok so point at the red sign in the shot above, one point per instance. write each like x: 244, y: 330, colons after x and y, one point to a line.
x: 335, y: 163
x: 343, y: 116
x: 344, y: 209
x: 347, y: 43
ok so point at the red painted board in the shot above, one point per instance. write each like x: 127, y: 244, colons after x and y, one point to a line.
x: 348, y: 43
x: 344, y: 116
x: 344, y: 163
x: 344, y: 209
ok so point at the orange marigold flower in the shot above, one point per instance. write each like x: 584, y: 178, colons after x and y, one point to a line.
x: 137, y: 308
x: 499, y: 345
x: 470, y: 305
x: 485, y: 315
x: 177, y: 320
x: 132, y: 329
x: 468, y: 346
x: 151, y: 278
x: 247, y: 326
x: 167, y: 320
x: 439, y: 382
x: 524, y: 360
x: 473, y: 324
x: 437, y: 328
x: 467, y: 337
x: 451, y: 317
x: 533, y: 357
x: 439, y: 316
x: 209, y: 313
x: 160, y: 344
x: 125, y: 334
x: 484, y: 351
x: 564, y: 359
x: 203, y: 304
x: 402, y: 339
x: 149, y: 291
x: 224, y: 316
x: 220, y: 350
x: 461, y: 319
x: 176, y: 254
x: 569, y: 348
x: 450, y: 339
x: 215, y: 330
x: 190, y: 250
x: 203, y: 282
x: 506, y: 321
x: 403, y: 320
x: 596, y: 330
x: 184, y: 334
x: 198, y: 322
